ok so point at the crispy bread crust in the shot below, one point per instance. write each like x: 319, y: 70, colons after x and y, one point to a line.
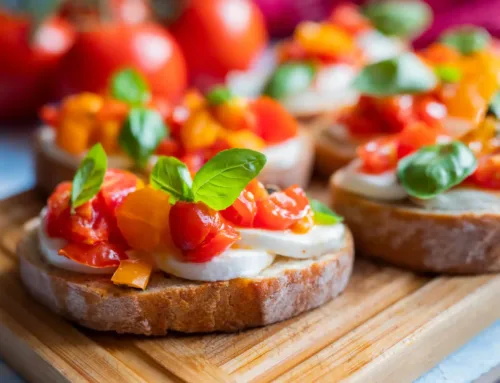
x: 50, y: 171
x: 421, y: 240
x: 175, y: 304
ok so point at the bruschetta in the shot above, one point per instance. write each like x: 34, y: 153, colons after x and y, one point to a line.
x: 134, y: 128
x: 426, y: 202
x: 217, y: 252
x: 433, y: 87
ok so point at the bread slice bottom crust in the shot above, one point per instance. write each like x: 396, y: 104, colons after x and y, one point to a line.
x: 280, y: 292
x: 421, y: 240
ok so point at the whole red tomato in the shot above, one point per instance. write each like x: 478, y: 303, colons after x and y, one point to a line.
x: 28, y: 63
x: 105, y: 48
x: 217, y: 36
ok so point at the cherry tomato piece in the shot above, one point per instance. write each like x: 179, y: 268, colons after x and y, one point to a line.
x: 282, y: 209
x: 417, y: 135
x: 487, y: 174
x: 379, y: 155
x: 273, y: 122
x: 242, y: 211
x: 99, y: 255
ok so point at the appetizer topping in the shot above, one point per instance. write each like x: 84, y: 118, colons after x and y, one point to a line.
x: 133, y: 273
x: 130, y: 87
x: 435, y: 169
x: 290, y: 78
x: 487, y: 174
x: 84, y: 212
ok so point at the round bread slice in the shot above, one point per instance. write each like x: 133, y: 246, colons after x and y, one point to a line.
x: 331, y: 154
x: 421, y: 240
x: 285, y: 289
x: 55, y: 166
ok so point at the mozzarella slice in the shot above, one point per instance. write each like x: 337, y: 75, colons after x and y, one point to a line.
x: 462, y: 199
x: 233, y: 263
x: 320, y: 240
x: 49, y: 247
x: 384, y: 186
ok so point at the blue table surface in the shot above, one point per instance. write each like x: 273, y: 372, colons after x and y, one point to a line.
x: 467, y: 364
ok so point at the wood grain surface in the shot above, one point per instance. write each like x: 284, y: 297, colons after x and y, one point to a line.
x: 390, y: 325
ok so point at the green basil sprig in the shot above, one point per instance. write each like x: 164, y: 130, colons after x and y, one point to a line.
x: 217, y: 184
x: 129, y: 86
x: 448, y: 73
x: 322, y: 214
x: 403, y: 74
x: 494, y: 106
x: 289, y: 78
x: 466, y: 39
x: 218, y: 95
x: 399, y: 18
x: 89, y: 176
x: 435, y: 169
x: 141, y: 134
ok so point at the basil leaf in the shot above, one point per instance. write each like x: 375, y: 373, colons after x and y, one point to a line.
x: 129, y: 86
x: 89, y: 176
x: 220, y: 181
x: 435, y: 169
x: 141, y: 134
x: 288, y: 79
x: 405, y: 18
x: 466, y: 39
x: 448, y: 73
x: 218, y: 95
x: 172, y: 176
x: 323, y: 215
x: 494, y: 107
x: 398, y: 75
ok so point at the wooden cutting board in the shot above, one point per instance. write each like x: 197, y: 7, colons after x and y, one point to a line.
x: 388, y: 326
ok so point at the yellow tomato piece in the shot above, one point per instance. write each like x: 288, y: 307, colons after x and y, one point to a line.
x: 199, y: 131
x: 482, y: 140
x: 323, y: 38
x: 107, y: 133
x: 194, y: 100
x: 82, y: 104
x: 244, y: 139
x: 133, y: 273
x: 73, y: 136
x: 143, y: 219
x: 234, y: 114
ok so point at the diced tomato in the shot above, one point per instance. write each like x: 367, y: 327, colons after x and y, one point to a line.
x: 242, y: 211
x: 348, y: 17
x: 216, y: 244
x: 94, y: 221
x: 487, y: 174
x: 282, y: 209
x: 199, y: 232
x: 194, y: 161
x: 417, y: 135
x: 273, y: 122
x: 396, y: 112
x: 360, y: 123
x: 430, y: 110
x: 257, y: 189
x: 379, y: 155
x: 102, y: 254
x: 169, y: 147
x: 112, y: 109
x: 50, y: 115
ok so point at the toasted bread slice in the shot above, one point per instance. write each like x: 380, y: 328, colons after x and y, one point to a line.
x: 285, y: 289
x: 422, y: 240
x: 332, y: 155
x: 53, y: 167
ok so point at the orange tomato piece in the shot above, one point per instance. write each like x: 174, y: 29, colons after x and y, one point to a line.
x: 305, y: 224
x: 107, y: 133
x: 245, y: 139
x: 323, y: 39
x: 143, y: 219
x: 133, y: 273
x: 200, y: 131
x: 112, y: 110
x: 273, y: 122
x: 194, y: 100
x: 440, y: 54
x: 73, y: 136
x: 483, y: 139
x: 82, y: 104
x: 234, y: 115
